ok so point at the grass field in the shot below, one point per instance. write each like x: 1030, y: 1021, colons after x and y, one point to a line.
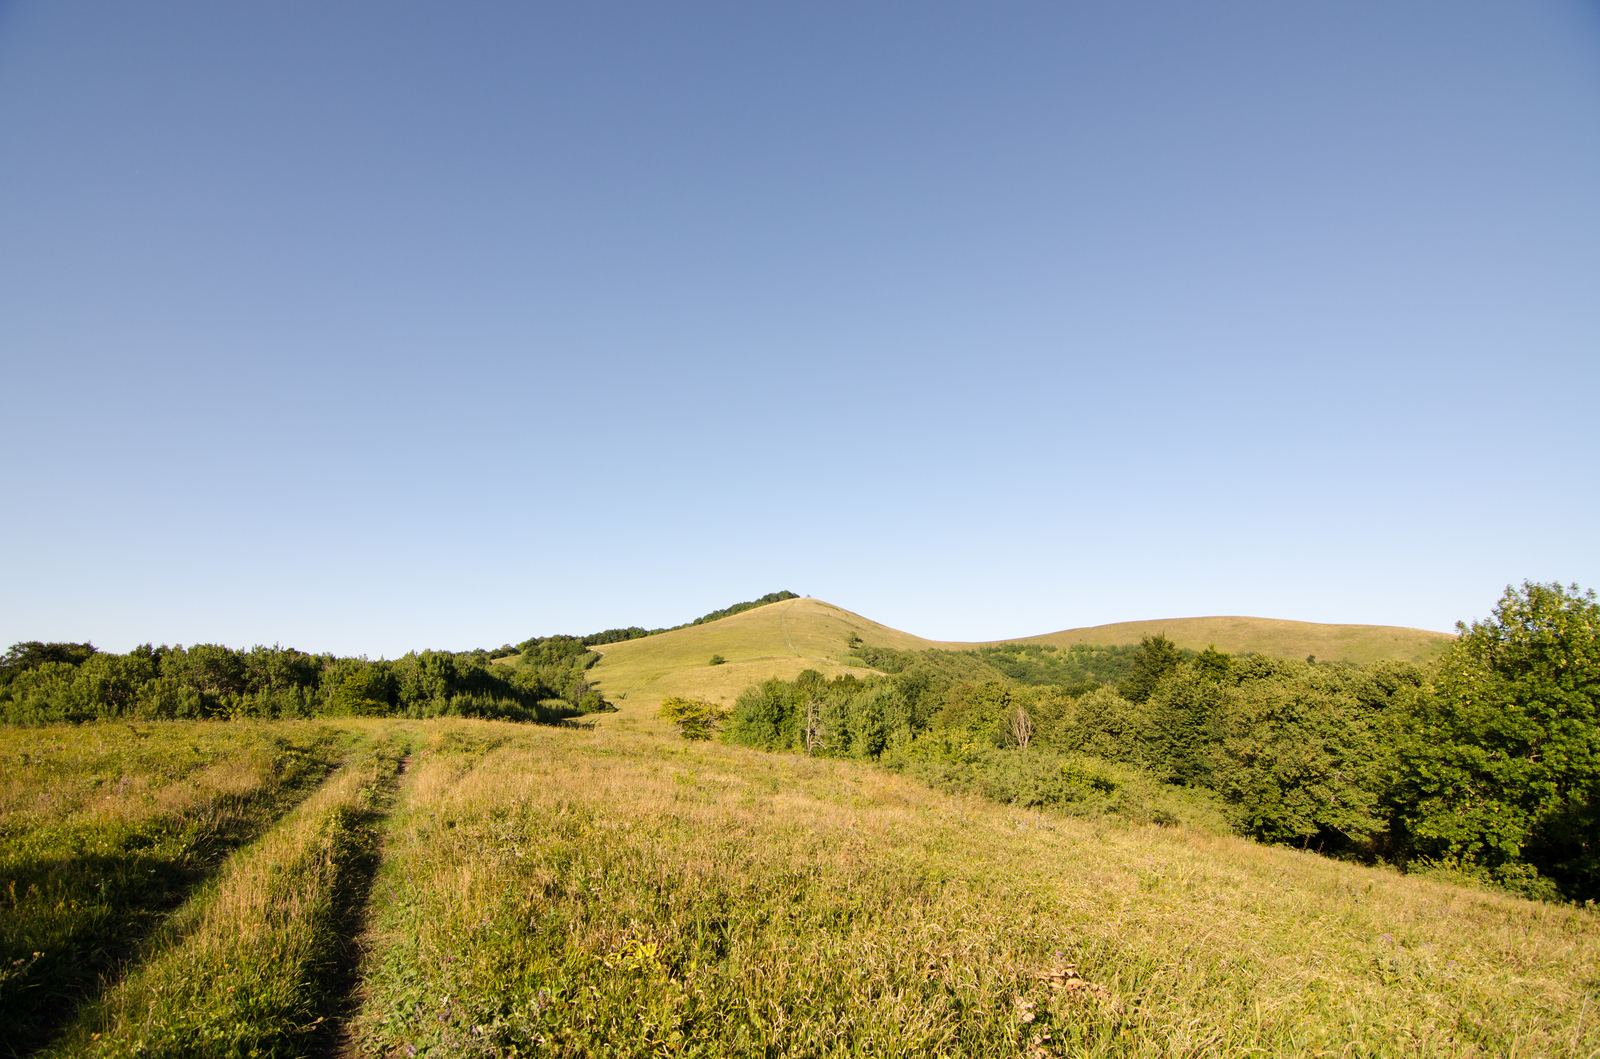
x: 782, y: 639
x: 519, y: 890
x: 105, y: 830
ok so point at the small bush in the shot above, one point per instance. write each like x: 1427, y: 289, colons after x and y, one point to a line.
x: 694, y: 718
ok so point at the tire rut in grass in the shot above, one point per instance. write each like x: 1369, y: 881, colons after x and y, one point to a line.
x: 140, y: 889
x: 341, y: 982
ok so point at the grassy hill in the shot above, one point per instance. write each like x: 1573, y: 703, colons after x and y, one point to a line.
x: 777, y: 640
x: 1267, y: 636
x: 782, y: 639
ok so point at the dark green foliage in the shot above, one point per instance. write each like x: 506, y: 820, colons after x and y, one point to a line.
x: 554, y: 650
x: 1155, y: 657
x: 739, y: 608
x: 948, y: 665
x: 717, y: 660
x: 1108, y: 726
x: 1080, y: 667
x: 1500, y: 769
x: 632, y: 632
x: 1212, y: 663
x: 1297, y: 758
x: 33, y: 654
x: 210, y: 680
x: 1185, y: 712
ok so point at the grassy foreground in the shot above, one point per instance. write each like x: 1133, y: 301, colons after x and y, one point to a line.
x: 253, y: 965
x: 106, y: 829
x: 611, y: 892
x: 600, y: 893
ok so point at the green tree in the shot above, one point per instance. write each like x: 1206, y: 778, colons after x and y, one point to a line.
x: 1107, y: 725
x: 1184, y: 712
x: 1156, y: 657
x: 1297, y: 760
x: 1501, y: 770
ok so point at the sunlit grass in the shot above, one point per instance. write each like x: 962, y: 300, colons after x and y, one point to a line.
x: 248, y: 961
x: 104, y: 829
x: 600, y: 893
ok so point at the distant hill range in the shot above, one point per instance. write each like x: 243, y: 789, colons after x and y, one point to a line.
x: 782, y: 639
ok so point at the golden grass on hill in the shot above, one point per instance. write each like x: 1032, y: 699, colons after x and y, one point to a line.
x: 782, y: 639
x: 608, y: 893
x: 1268, y: 636
x: 776, y: 640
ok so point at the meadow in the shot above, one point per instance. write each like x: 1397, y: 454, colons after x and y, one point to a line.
x: 471, y: 887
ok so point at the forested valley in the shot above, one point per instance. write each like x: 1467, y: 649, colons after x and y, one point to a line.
x: 1485, y: 764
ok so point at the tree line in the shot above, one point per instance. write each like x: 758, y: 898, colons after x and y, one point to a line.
x: 44, y: 682
x: 1486, y: 762
x: 52, y: 682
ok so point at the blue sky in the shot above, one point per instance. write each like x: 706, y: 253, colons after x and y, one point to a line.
x: 366, y: 327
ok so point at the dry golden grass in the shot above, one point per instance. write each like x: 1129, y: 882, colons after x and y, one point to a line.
x: 1268, y: 636
x: 118, y: 773
x: 612, y: 893
x: 776, y: 640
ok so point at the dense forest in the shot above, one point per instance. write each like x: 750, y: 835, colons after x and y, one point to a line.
x: 42, y: 682
x: 1486, y: 762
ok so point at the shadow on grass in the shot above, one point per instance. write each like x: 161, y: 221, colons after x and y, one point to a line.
x: 70, y: 921
x: 339, y: 977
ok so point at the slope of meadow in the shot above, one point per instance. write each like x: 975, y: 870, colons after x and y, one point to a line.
x: 1267, y: 636
x: 777, y: 640
x: 782, y: 639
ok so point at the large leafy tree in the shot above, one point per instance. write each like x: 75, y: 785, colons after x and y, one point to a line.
x: 1297, y: 760
x: 1155, y: 658
x: 1502, y: 769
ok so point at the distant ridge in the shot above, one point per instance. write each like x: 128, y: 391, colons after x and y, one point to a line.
x: 782, y: 639
x: 1267, y: 636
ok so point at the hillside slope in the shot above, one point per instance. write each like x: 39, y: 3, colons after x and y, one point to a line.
x: 1267, y: 636
x: 777, y: 640
x: 782, y: 639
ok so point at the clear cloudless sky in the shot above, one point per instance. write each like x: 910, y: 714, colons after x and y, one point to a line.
x: 375, y: 326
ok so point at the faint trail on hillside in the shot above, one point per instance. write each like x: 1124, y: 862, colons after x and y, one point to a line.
x: 783, y: 622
